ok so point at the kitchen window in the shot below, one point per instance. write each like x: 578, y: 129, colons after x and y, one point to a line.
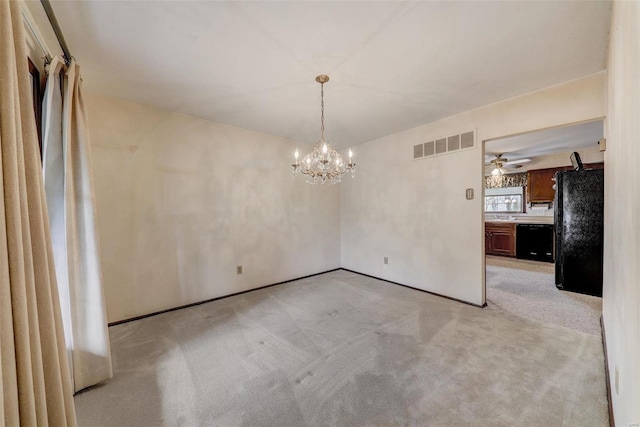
x: 504, y: 200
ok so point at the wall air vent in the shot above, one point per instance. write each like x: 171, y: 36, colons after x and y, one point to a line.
x: 453, y: 143
x: 445, y: 145
x: 429, y: 148
x: 467, y: 140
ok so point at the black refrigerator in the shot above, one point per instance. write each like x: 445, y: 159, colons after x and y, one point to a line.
x: 579, y: 218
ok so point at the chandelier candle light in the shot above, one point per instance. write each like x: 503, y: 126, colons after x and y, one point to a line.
x: 323, y: 165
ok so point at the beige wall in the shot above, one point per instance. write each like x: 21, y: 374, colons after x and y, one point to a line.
x: 621, y: 302
x: 415, y: 212
x: 183, y: 201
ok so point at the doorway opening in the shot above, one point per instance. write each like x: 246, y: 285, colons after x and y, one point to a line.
x: 536, y: 197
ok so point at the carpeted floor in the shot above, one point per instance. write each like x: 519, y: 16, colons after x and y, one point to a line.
x: 341, y: 349
x: 527, y: 289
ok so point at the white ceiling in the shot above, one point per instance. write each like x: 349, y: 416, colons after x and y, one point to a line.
x: 545, y: 142
x: 393, y: 65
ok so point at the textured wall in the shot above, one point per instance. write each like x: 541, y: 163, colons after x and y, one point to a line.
x: 182, y: 201
x: 415, y: 212
x: 621, y: 293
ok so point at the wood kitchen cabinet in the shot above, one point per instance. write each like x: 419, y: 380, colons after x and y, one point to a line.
x: 500, y: 239
x: 540, y: 182
x: 540, y: 185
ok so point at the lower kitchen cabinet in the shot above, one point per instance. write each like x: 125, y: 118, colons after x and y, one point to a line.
x: 500, y: 239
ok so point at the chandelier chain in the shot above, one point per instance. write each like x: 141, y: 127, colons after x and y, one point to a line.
x: 322, y: 111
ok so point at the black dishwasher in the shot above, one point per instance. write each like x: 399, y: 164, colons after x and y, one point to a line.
x: 535, y: 242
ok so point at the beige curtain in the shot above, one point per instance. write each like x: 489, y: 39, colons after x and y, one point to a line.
x: 34, y: 374
x: 71, y: 202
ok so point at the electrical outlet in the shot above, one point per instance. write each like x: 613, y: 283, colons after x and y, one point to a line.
x: 386, y: 260
x: 239, y: 269
x: 617, y: 380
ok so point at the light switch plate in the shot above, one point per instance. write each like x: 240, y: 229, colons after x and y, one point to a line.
x: 602, y: 144
x: 469, y: 193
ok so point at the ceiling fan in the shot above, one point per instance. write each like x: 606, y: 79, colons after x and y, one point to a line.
x: 501, y: 164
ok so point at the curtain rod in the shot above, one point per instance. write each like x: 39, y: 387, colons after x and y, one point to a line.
x: 56, y: 29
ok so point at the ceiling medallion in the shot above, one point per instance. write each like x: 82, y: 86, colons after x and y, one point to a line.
x: 323, y: 165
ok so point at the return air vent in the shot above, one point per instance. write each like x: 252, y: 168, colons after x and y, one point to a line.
x: 467, y: 140
x: 445, y: 145
x: 418, y: 151
x: 429, y: 148
x: 453, y: 143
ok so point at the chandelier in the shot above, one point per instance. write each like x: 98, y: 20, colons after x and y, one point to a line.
x: 323, y: 165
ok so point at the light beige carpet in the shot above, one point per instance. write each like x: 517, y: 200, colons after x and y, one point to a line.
x: 341, y: 349
x: 527, y: 289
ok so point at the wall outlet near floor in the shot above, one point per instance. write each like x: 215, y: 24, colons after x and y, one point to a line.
x: 617, y: 380
x: 386, y: 260
x: 239, y: 269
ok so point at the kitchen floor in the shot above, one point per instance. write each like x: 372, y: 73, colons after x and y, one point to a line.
x: 527, y: 289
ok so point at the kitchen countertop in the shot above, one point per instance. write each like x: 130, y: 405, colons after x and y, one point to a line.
x: 521, y: 220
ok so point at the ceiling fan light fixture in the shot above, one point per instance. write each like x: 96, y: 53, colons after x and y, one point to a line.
x: 501, y: 164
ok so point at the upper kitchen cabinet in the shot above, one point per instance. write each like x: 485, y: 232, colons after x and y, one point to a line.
x: 540, y: 182
x: 540, y: 185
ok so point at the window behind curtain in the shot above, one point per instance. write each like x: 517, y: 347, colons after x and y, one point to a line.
x: 37, y: 94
